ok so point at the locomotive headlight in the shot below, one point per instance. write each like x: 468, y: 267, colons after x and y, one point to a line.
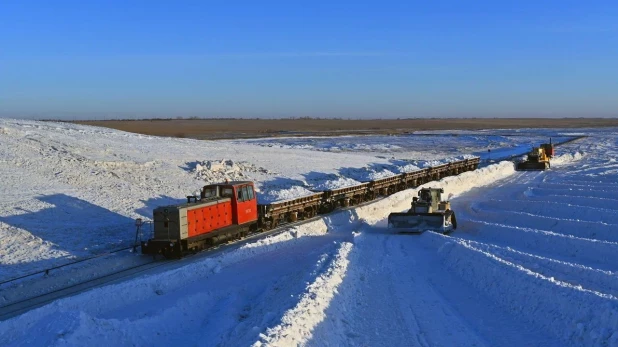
x: 171, y: 244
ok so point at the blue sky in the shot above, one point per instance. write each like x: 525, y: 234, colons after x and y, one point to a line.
x: 373, y: 59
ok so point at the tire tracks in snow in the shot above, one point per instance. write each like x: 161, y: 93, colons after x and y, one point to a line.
x: 590, y: 251
x: 298, y: 323
x: 598, y: 280
x: 597, y: 230
x: 576, y: 315
x: 545, y: 249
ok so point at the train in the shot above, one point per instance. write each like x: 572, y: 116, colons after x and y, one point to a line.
x: 230, y: 210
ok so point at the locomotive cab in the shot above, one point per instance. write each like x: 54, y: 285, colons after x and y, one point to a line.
x: 242, y: 194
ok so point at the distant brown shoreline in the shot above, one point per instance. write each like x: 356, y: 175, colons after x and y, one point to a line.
x: 252, y: 128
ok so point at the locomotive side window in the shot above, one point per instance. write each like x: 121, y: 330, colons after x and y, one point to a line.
x: 250, y: 193
x: 245, y: 193
x: 227, y: 193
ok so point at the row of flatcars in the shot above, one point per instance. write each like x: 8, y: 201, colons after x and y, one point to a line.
x: 230, y: 210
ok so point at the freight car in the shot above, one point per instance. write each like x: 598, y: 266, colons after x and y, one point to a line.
x: 230, y: 210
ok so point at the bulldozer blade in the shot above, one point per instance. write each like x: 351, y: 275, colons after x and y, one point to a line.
x: 532, y: 166
x: 418, y: 223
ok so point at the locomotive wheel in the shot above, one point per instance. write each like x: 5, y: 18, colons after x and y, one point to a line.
x: 170, y: 254
x: 327, y: 207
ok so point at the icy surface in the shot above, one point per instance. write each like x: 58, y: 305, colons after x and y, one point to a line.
x: 422, y: 145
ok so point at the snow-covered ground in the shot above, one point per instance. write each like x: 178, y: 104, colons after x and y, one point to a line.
x: 71, y: 191
x: 533, y: 262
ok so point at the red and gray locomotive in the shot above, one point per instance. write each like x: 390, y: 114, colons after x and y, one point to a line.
x: 223, y: 212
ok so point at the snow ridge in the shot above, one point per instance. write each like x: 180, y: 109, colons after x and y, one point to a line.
x: 298, y: 323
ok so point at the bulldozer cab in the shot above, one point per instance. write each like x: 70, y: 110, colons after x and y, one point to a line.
x: 535, y: 154
x: 428, y: 200
x: 428, y: 212
x: 548, y: 149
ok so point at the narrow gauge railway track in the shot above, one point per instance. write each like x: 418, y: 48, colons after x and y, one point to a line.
x: 68, y: 264
x: 21, y: 306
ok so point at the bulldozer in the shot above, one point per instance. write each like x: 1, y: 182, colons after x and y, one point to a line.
x: 428, y: 212
x: 538, y: 158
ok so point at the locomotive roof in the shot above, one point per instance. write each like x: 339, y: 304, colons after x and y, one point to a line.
x: 230, y: 183
x: 192, y: 203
